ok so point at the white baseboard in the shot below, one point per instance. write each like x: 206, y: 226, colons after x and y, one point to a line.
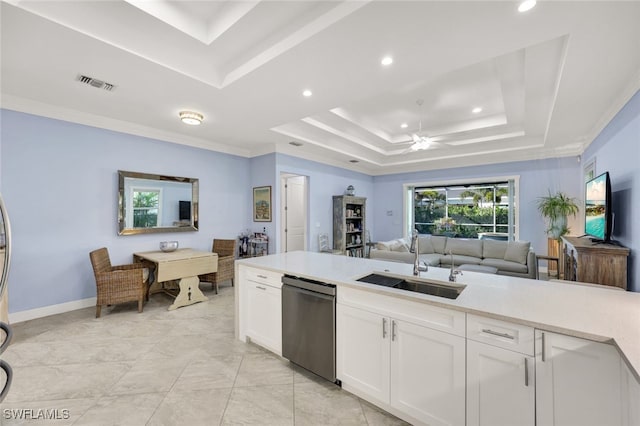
x: 30, y: 314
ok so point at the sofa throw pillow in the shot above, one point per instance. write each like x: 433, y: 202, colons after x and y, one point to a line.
x: 424, y: 245
x: 517, y: 251
x: 383, y: 245
x: 398, y: 245
x: 464, y: 247
x: 493, y: 249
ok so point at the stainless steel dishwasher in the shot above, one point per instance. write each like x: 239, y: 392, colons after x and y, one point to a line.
x: 309, y: 325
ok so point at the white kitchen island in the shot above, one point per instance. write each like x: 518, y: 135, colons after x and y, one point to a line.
x: 536, y: 334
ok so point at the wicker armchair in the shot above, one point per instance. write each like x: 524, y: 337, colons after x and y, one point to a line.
x: 118, y: 284
x: 226, y: 250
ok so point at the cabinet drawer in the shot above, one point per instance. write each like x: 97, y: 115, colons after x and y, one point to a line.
x: 503, y: 334
x: 434, y: 317
x: 270, y: 278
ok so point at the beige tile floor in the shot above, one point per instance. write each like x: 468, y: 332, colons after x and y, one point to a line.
x: 161, y: 367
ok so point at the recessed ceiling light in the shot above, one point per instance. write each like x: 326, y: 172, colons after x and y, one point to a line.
x: 295, y: 143
x: 191, y: 118
x: 476, y: 110
x: 404, y: 125
x: 307, y: 93
x: 354, y: 161
x: 526, y: 5
x: 387, y: 60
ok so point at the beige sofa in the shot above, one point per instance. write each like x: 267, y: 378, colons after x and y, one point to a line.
x: 514, y: 258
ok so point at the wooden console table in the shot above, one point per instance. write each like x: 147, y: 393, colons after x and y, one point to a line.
x: 184, y: 265
x: 595, y: 263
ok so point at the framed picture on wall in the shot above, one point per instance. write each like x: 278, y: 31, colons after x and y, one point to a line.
x: 262, y: 204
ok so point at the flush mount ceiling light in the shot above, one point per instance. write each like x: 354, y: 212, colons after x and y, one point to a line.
x: 191, y: 118
x: 387, y: 60
x: 307, y: 93
x: 404, y: 125
x: 526, y: 5
x: 476, y: 110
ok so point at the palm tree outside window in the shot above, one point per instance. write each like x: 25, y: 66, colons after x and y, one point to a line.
x: 146, y: 208
x: 465, y: 210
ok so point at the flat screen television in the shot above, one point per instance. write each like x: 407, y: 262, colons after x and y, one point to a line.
x: 185, y: 210
x: 597, y: 208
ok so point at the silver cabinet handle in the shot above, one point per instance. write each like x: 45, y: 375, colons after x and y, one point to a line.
x: 495, y: 333
x: 544, y: 358
x: 393, y: 330
x: 384, y: 328
x: 260, y: 287
x: 526, y: 371
x: 264, y: 277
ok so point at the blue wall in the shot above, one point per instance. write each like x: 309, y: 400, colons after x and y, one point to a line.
x: 325, y: 182
x: 59, y: 183
x: 617, y: 150
x: 536, y: 179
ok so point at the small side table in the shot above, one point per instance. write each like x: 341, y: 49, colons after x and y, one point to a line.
x: 549, y: 260
x: 258, y: 247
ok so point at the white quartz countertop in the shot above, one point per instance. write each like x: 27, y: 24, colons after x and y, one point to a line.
x: 592, y: 312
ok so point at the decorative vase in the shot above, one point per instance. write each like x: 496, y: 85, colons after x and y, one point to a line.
x: 350, y: 190
x: 358, y: 240
x: 557, y: 227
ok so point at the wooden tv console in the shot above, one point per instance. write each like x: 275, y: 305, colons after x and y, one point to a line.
x: 596, y: 263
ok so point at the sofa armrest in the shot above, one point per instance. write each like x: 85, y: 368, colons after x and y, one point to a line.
x: 531, y: 264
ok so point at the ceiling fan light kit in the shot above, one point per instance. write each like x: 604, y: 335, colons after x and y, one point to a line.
x: 420, y: 142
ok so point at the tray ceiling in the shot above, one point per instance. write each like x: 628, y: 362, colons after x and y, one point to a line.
x: 547, y: 81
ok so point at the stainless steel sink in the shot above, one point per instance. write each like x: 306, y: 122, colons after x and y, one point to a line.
x: 415, y: 284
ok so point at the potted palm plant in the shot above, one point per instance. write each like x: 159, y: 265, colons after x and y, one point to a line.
x: 555, y: 208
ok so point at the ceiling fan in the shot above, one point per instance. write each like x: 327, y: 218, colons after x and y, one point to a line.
x: 422, y: 142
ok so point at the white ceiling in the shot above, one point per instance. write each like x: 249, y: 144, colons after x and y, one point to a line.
x: 547, y: 80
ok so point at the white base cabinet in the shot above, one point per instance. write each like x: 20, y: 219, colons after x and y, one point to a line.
x: 261, y: 296
x: 417, y: 371
x: 500, y: 387
x: 630, y: 398
x: 500, y: 373
x: 363, y: 354
x: 577, y: 382
x: 427, y: 374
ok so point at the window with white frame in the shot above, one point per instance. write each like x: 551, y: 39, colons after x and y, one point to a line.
x: 464, y: 209
x: 146, y: 207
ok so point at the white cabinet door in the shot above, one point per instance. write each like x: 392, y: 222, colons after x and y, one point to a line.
x: 362, y: 350
x: 577, y: 382
x: 427, y: 374
x: 264, y: 315
x: 630, y: 397
x: 500, y: 386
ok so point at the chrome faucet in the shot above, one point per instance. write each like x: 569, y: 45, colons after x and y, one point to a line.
x: 417, y: 265
x: 453, y: 273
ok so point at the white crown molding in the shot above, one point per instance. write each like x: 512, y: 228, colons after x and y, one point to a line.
x: 616, y: 106
x: 59, y: 113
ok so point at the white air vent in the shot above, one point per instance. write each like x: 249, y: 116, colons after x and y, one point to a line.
x: 94, y: 82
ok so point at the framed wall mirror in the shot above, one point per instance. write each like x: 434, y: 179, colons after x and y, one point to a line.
x: 150, y: 203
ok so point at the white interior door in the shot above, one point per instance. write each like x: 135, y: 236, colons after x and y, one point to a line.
x: 294, y: 212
